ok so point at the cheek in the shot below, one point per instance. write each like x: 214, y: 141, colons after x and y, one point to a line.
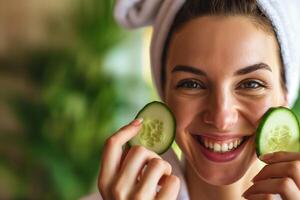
x: 253, y: 109
x: 185, y: 109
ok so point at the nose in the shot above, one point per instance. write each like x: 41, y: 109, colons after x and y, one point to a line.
x: 221, y: 111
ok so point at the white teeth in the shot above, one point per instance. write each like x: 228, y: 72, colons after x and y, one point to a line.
x: 211, y: 146
x: 224, y: 147
x: 217, y: 147
x: 235, y: 144
x: 230, y: 145
x: 221, y: 147
x: 206, y: 143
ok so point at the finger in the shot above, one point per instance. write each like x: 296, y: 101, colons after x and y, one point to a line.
x: 132, y: 166
x: 280, y: 170
x: 162, y: 180
x: 155, y: 170
x: 169, y: 189
x: 280, y: 156
x: 286, y: 187
x: 125, y: 151
x: 112, y: 154
x: 261, y: 197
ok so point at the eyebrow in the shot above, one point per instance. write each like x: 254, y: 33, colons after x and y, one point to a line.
x: 189, y: 69
x: 253, y: 68
x: 243, y: 71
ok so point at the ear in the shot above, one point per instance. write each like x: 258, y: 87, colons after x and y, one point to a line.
x: 136, y: 13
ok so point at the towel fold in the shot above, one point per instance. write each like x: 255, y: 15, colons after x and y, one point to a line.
x: 136, y: 13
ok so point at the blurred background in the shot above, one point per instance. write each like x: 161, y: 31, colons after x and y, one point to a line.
x: 69, y: 78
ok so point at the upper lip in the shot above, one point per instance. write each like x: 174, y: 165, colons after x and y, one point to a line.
x: 221, y: 136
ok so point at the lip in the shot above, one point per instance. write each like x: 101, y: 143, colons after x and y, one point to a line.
x: 222, y: 156
x: 220, y: 136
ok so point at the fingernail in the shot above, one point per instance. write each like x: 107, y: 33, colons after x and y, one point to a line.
x: 266, y: 156
x: 137, y: 122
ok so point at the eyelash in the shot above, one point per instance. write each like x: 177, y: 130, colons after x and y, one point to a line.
x: 258, y: 84
x: 192, y: 84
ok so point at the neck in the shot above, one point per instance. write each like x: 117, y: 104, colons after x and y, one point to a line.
x: 199, y: 189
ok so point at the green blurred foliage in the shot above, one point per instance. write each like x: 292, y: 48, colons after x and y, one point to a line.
x: 75, y: 110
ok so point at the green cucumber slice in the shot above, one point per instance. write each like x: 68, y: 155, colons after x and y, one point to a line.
x: 278, y: 130
x: 158, y: 128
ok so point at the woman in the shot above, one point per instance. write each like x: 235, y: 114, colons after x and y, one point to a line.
x: 219, y: 65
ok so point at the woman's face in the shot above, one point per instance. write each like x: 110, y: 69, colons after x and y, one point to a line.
x: 223, y: 73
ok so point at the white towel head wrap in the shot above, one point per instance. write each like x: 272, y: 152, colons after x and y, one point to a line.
x: 284, y: 15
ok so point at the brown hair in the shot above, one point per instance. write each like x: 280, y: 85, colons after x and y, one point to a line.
x: 196, y: 8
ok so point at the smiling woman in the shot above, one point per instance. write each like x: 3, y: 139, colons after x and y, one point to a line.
x: 219, y: 65
x: 220, y: 104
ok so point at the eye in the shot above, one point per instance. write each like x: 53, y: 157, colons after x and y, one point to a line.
x: 190, y: 84
x: 251, y: 84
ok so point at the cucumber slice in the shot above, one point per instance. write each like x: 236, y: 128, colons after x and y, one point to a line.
x: 158, y: 128
x: 278, y: 130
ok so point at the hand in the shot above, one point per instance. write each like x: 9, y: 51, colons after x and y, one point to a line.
x: 281, y: 176
x: 136, y: 173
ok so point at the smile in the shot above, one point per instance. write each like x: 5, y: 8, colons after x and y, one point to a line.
x: 221, y: 146
x: 221, y: 150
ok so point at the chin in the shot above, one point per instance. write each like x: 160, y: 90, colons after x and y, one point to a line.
x: 222, y: 179
x: 222, y: 175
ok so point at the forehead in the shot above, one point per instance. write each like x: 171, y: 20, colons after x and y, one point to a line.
x: 225, y: 42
